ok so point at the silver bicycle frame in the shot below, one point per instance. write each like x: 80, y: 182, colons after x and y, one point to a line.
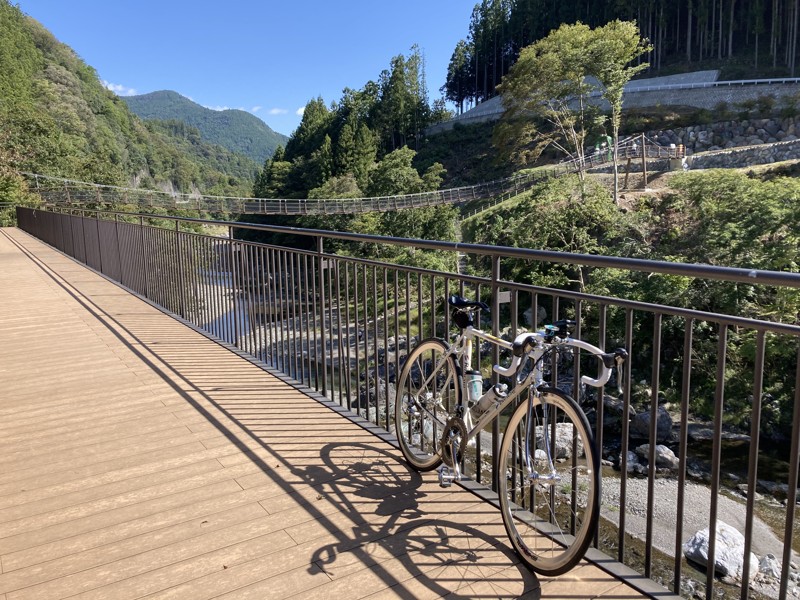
x: 461, y: 348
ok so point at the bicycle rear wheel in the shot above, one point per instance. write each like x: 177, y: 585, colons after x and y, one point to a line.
x: 551, y: 516
x: 427, y: 393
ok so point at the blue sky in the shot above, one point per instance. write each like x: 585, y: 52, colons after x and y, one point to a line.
x: 269, y: 58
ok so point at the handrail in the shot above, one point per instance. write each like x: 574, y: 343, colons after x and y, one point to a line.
x: 751, y: 276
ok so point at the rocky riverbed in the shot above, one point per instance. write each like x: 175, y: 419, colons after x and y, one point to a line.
x: 697, y: 500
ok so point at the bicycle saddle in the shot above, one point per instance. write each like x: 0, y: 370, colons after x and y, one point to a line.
x: 458, y: 302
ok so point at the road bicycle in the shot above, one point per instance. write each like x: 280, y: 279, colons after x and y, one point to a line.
x: 548, y: 467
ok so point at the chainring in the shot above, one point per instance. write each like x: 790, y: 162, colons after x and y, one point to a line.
x: 455, y: 428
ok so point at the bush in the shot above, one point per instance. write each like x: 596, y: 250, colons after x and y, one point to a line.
x: 765, y: 104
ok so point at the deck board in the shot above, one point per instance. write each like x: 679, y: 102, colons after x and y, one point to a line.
x: 140, y: 459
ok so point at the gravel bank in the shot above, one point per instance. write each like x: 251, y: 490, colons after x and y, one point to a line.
x: 697, y: 503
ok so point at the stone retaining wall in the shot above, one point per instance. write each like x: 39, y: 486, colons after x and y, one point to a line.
x: 708, y: 98
x: 746, y: 156
x: 735, y: 144
x: 729, y: 134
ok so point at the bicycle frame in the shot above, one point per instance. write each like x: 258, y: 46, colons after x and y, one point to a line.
x: 462, y: 348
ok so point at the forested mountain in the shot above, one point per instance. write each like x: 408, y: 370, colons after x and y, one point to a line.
x: 56, y: 118
x: 744, y: 38
x: 344, y: 146
x: 236, y: 130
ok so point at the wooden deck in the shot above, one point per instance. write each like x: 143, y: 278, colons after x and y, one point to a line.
x: 140, y: 459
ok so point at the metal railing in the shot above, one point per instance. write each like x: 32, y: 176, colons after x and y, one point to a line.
x: 343, y: 324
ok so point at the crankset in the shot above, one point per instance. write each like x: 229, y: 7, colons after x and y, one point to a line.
x: 454, y: 442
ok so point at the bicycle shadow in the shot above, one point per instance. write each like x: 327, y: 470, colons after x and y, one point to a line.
x: 412, y: 534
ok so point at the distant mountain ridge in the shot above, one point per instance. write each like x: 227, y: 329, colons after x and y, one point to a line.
x: 236, y: 130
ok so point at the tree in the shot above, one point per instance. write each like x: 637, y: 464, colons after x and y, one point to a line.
x: 311, y: 131
x: 343, y: 186
x: 456, y: 88
x: 321, y: 164
x: 611, y: 51
x: 344, y: 157
x: 396, y: 174
x: 366, y: 150
x: 545, y: 96
x: 272, y: 181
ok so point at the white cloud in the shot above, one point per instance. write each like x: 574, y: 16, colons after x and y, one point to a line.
x: 255, y: 109
x: 299, y: 112
x: 119, y: 90
x: 278, y: 111
x: 219, y: 107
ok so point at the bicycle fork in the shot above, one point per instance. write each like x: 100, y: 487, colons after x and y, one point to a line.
x: 551, y: 477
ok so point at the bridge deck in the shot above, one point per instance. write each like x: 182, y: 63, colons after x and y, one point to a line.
x: 138, y: 458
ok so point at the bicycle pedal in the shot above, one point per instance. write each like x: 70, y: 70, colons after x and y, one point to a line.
x: 446, y: 477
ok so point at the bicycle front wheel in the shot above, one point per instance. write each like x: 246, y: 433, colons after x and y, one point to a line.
x: 549, y: 482
x: 427, y: 393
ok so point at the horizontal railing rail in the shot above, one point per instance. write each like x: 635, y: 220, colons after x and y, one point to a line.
x: 342, y: 324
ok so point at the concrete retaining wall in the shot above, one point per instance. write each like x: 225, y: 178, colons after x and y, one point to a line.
x: 709, y: 97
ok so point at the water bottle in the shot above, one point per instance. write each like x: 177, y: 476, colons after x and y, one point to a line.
x: 492, y: 396
x: 474, y: 383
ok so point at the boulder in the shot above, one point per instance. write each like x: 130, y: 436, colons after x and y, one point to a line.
x: 770, y: 567
x: 541, y: 315
x: 665, y: 458
x: 728, y: 554
x: 640, y: 425
x: 614, y: 414
x: 634, y: 466
x: 370, y: 394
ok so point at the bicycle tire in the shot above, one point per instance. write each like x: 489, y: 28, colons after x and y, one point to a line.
x: 419, y: 435
x: 550, y: 523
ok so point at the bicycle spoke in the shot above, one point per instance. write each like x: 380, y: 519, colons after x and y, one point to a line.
x: 427, y: 392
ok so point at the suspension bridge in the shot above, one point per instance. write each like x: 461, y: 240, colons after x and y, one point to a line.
x: 61, y: 191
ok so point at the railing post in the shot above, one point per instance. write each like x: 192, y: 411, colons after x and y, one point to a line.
x: 716, y: 455
x: 495, y: 360
x: 181, y: 278
x: 322, y: 302
x: 83, y: 234
x: 119, y: 250
x: 99, y: 241
x: 644, y: 161
x: 234, y: 299
x: 144, y: 259
x: 791, y: 495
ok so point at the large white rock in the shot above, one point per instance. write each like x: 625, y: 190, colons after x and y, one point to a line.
x: 665, y: 458
x: 728, y: 554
